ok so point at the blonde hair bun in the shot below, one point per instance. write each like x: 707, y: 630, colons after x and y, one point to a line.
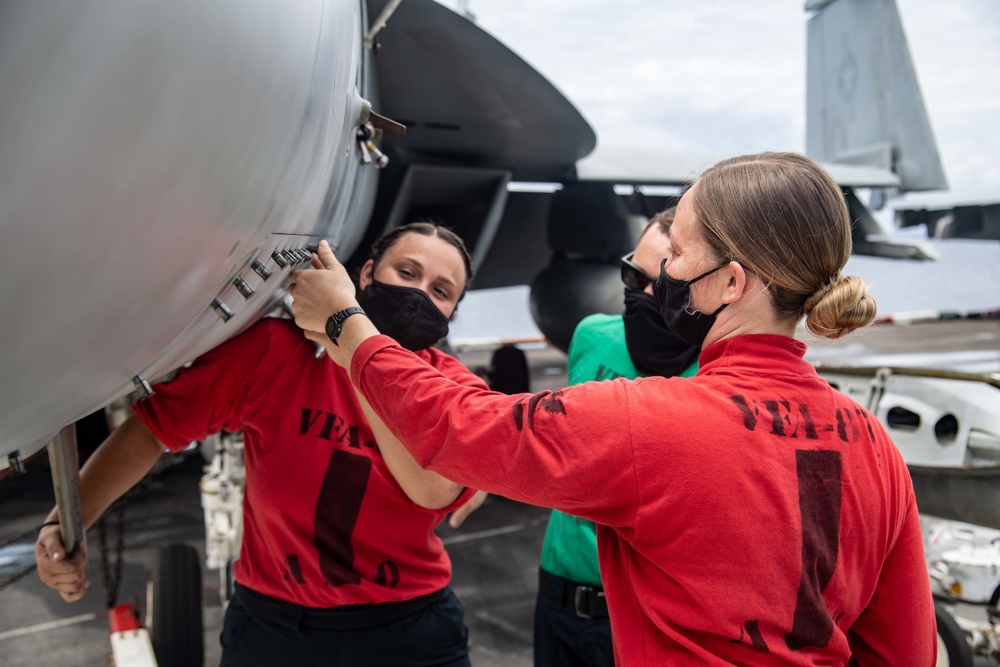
x: 839, y: 307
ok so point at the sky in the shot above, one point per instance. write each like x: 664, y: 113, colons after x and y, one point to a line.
x: 724, y: 77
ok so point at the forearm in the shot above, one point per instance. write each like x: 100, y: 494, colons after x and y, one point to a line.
x: 118, y: 464
x: 524, y: 447
x: 427, y: 489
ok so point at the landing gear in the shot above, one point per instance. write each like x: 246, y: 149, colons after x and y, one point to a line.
x: 222, y: 501
x: 174, y: 608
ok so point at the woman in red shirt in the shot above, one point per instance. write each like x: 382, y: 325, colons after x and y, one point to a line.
x: 749, y: 515
x: 339, y: 561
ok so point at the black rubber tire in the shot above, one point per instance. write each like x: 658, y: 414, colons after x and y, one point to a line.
x: 175, y: 624
x: 952, y: 638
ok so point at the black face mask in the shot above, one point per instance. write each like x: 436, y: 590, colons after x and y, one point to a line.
x: 653, y: 349
x: 404, y: 313
x: 674, y: 297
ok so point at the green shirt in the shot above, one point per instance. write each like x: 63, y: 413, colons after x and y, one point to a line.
x: 597, y: 352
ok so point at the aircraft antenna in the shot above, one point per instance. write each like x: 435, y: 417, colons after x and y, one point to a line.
x: 380, y: 23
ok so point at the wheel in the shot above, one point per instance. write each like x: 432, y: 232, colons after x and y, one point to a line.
x: 174, y: 605
x: 953, y: 649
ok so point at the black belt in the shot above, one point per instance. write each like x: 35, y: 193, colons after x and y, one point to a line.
x: 583, y: 600
x: 348, y: 617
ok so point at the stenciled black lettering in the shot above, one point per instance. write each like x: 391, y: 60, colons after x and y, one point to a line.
x: 332, y: 420
x: 294, y: 571
x: 753, y: 632
x: 552, y: 403
x: 785, y: 422
x: 819, y: 478
x: 847, y: 426
x: 337, y: 511
x: 532, y: 406
x: 863, y: 414
x: 517, y: 412
x: 807, y: 421
x: 387, y: 575
x: 308, y: 419
x: 777, y: 421
x: 334, y: 428
x: 841, y: 425
x: 749, y: 420
x: 605, y: 373
x: 547, y: 400
x: 852, y: 421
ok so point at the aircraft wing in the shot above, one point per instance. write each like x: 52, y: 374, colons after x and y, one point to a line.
x: 650, y: 166
x: 466, y: 98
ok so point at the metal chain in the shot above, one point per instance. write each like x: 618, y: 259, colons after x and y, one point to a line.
x: 111, y: 564
x: 110, y: 579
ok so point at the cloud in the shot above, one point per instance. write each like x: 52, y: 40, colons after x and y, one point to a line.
x: 730, y: 76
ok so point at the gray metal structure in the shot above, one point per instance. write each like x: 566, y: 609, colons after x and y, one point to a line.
x: 152, y: 152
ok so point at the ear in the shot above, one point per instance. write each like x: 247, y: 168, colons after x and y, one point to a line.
x: 365, y: 279
x: 736, y: 282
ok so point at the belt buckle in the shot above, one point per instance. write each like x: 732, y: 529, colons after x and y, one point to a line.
x: 582, y: 595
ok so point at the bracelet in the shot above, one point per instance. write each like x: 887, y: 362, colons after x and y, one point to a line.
x: 48, y: 523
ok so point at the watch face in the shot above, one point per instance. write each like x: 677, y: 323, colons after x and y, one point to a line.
x: 333, y: 327
x: 336, y: 322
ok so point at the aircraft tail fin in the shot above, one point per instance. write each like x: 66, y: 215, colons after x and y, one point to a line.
x: 864, y: 105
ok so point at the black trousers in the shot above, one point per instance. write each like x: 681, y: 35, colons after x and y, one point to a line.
x: 435, y: 636
x: 563, y: 639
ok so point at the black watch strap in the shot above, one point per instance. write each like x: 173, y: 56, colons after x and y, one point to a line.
x: 336, y: 322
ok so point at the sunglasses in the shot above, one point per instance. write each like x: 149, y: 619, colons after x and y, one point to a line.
x: 632, y: 275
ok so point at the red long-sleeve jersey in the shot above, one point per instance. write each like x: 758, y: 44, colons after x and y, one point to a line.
x: 749, y: 515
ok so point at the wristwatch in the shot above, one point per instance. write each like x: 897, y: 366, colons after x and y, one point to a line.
x: 336, y: 322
